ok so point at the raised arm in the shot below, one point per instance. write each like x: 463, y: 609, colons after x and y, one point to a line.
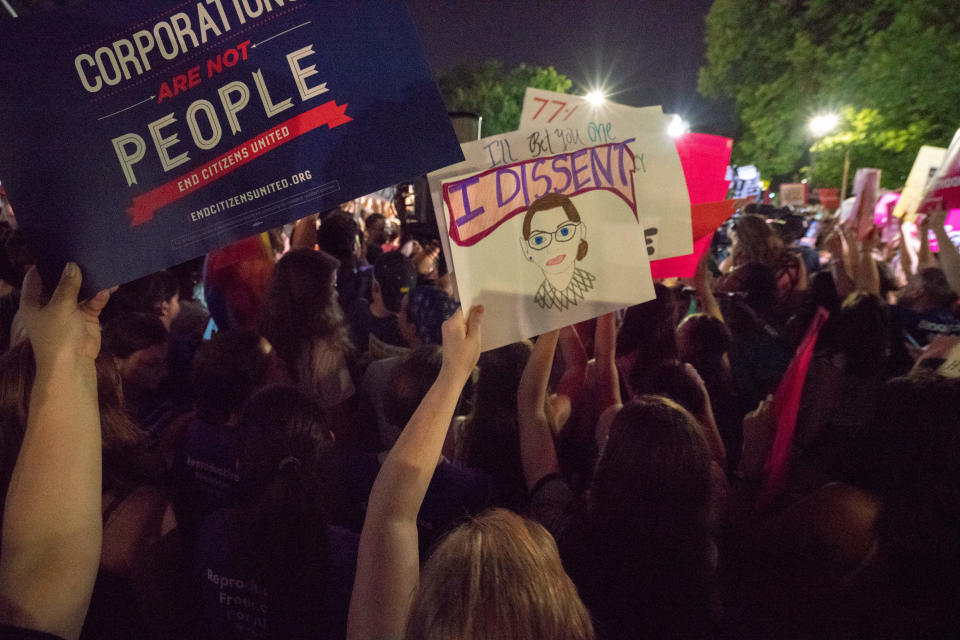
x: 703, y: 289
x: 388, y: 566
x: 537, y: 451
x: 608, y: 376
x: 574, y: 362
x: 949, y: 255
x: 867, y: 274
x: 52, y: 529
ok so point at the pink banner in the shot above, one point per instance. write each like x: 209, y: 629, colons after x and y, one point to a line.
x: 705, y: 159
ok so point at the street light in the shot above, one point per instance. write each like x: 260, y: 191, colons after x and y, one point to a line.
x: 678, y: 126
x: 820, y: 126
x: 596, y: 97
x: 824, y: 123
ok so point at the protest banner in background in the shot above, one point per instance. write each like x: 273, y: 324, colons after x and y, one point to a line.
x: 705, y: 159
x: 546, y: 226
x: 745, y: 182
x: 924, y: 167
x: 707, y: 216
x: 943, y: 190
x: 667, y: 214
x: 866, y: 185
x: 139, y: 135
x: 794, y: 193
x: 829, y: 198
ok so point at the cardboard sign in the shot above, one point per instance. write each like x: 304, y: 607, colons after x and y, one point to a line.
x: 829, y: 198
x: 794, y: 193
x: 943, y: 190
x: 667, y: 217
x: 139, y: 135
x: 745, y: 182
x: 924, y: 167
x: 547, y: 227
x: 866, y: 191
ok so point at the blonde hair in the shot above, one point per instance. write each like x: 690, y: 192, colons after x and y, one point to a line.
x: 497, y: 576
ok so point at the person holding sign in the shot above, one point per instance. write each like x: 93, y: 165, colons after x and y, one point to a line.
x: 555, y: 243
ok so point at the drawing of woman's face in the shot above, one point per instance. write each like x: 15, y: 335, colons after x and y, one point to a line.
x: 553, y: 241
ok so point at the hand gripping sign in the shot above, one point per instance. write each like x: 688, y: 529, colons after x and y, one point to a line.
x: 138, y: 135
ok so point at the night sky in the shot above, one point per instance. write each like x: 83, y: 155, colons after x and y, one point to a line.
x: 642, y: 52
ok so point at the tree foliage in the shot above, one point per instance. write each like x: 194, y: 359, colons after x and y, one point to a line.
x: 487, y: 90
x: 886, y: 66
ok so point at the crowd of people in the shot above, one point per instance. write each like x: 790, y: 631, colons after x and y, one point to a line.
x: 769, y: 449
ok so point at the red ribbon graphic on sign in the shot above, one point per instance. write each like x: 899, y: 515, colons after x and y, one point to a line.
x: 146, y: 205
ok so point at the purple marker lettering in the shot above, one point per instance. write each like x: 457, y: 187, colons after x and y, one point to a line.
x: 461, y: 186
x: 576, y: 155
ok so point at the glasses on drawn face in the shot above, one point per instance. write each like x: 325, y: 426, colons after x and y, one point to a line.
x: 542, y: 239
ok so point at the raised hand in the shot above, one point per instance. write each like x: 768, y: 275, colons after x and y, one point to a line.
x: 61, y: 329
x: 461, y: 341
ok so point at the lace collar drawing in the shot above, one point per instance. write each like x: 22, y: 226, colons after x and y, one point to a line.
x: 549, y: 296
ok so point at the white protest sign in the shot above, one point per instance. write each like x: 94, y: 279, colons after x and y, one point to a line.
x: 924, y: 167
x: 661, y: 185
x: 545, y: 230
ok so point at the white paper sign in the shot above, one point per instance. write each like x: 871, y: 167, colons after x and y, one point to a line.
x: 662, y: 186
x: 545, y: 228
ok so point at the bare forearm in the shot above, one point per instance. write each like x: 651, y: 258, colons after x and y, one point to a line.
x: 607, y: 374
x: 537, y: 450
x: 52, y: 533
x: 406, y: 473
x: 949, y: 259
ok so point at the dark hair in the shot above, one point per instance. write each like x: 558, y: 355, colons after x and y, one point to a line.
x: 916, y: 471
x: 491, y: 439
x: 936, y: 288
x: 126, y: 456
x: 397, y: 277
x: 427, y: 309
x: 144, y: 295
x: 649, y: 328
x: 15, y: 257
x: 128, y: 333
x: 648, y: 572
x: 553, y: 201
x: 757, y: 283
x: 753, y: 241
x: 300, y: 306
x: 280, y: 526
x: 409, y: 382
x: 337, y: 235
x: 861, y: 332
x: 227, y: 370
x: 707, y: 338
x: 670, y: 380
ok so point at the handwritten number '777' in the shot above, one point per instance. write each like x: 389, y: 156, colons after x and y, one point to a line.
x: 557, y: 112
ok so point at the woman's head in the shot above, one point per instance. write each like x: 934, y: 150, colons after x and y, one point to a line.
x: 124, y: 444
x: 301, y: 304
x: 226, y: 371
x: 654, y: 472
x: 554, y: 237
x: 497, y: 576
x: 409, y: 382
x: 754, y: 240
x: 491, y: 439
x: 860, y: 331
x: 649, y: 329
x: 701, y: 337
x: 138, y: 343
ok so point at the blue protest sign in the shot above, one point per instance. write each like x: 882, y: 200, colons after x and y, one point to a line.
x: 138, y: 135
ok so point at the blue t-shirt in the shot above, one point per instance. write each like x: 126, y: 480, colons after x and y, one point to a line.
x: 454, y: 493
x: 923, y: 327
x: 236, y: 601
x: 204, y: 476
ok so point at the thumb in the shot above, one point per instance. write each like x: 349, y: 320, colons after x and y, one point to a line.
x: 69, y: 286
x: 473, y: 320
x: 32, y: 292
